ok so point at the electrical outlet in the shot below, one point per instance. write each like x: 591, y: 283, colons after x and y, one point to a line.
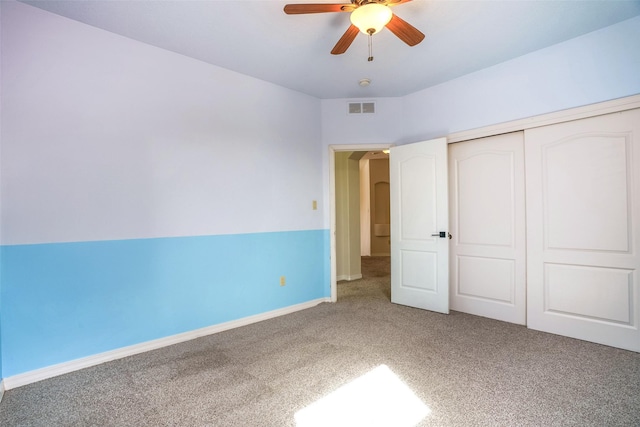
x: 314, y: 205
x: 283, y: 280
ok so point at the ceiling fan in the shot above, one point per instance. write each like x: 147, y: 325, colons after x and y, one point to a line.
x: 367, y: 16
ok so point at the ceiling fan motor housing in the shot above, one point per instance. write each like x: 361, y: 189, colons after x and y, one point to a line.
x: 371, y: 17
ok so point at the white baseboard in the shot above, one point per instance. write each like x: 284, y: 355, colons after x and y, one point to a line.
x: 85, y: 362
x: 349, y: 277
x: 1, y: 389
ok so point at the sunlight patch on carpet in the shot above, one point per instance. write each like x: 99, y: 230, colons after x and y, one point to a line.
x: 378, y: 398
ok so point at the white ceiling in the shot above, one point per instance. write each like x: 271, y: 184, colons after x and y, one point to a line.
x: 257, y: 38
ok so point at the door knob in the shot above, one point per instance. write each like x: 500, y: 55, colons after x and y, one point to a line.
x: 442, y: 235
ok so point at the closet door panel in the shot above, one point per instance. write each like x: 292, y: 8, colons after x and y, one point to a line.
x: 583, y: 229
x: 487, y: 260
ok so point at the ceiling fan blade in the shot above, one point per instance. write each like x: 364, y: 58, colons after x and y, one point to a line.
x: 405, y: 31
x: 345, y: 41
x: 296, y: 9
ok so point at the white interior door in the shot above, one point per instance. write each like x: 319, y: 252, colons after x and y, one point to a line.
x: 583, y: 229
x: 419, y: 212
x: 487, y: 217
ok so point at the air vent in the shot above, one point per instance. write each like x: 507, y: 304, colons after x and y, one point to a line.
x: 362, y: 107
x: 355, y: 108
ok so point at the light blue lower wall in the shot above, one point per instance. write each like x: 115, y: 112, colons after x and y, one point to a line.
x: 65, y: 301
x: 1, y: 374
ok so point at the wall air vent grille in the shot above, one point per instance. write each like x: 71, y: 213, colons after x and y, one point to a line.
x: 362, y: 107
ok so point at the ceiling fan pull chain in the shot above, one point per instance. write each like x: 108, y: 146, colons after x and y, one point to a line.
x: 370, y: 47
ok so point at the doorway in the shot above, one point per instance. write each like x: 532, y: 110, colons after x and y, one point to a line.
x: 338, y: 217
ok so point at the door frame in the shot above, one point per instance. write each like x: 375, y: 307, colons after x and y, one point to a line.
x: 333, y: 149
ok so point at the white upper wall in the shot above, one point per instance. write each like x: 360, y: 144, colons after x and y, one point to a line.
x: 104, y: 137
x: 595, y: 67
x: 108, y: 138
x: 382, y: 127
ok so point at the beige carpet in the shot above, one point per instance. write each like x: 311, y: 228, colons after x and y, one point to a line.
x: 467, y: 370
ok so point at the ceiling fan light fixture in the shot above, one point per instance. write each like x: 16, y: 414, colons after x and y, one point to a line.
x: 370, y: 18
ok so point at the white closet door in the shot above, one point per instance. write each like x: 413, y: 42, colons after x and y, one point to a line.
x: 583, y: 229
x: 487, y: 216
